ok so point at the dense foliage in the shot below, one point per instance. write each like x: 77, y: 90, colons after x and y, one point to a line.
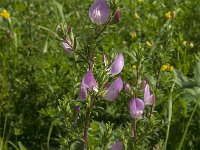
x: 40, y: 106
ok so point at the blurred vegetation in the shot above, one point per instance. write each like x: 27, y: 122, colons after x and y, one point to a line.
x: 39, y: 82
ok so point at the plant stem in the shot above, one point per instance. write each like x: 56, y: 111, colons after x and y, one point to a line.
x: 87, y: 122
x: 169, y: 114
x: 4, y: 131
x: 134, y: 129
x: 187, y: 126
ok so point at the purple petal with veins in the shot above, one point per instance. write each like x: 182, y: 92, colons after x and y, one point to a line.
x: 112, y: 92
x: 99, y: 12
x: 117, y: 65
x: 136, y: 108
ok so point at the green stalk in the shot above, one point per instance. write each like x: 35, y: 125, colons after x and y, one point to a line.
x: 4, y: 131
x: 187, y: 126
x: 49, y: 134
x: 169, y: 114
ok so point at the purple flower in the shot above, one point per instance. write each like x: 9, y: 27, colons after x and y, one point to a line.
x: 136, y: 108
x: 112, y: 92
x: 127, y: 88
x: 83, y: 93
x: 117, y: 65
x: 117, y: 146
x: 88, y: 82
x: 67, y: 45
x: 99, y: 12
x: 149, y: 99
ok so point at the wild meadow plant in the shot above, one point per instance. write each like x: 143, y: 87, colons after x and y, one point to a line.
x: 116, y: 75
x: 93, y: 91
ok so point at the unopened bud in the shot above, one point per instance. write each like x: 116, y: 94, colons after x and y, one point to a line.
x: 69, y: 29
x: 117, y: 16
x: 144, y: 83
x: 127, y: 88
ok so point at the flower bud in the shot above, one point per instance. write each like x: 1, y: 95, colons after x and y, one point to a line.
x: 67, y: 45
x: 127, y: 88
x: 69, y: 29
x: 117, y: 16
x: 99, y: 12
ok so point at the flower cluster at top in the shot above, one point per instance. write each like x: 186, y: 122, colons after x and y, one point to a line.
x: 99, y: 14
x: 5, y: 14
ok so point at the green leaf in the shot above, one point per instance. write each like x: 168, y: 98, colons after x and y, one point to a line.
x: 21, y: 146
x: 197, y: 72
x: 182, y: 80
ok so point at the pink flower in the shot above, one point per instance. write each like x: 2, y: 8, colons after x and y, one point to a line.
x: 149, y: 99
x: 117, y: 65
x: 99, y: 12
x: 114, y: 89
x: 136, y: 108
x: 88, y: 82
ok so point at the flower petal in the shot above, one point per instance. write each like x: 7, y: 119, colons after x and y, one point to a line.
x: 89, y: 81
x: 150, y: 100
x: 136, y: 108
x: 83, y: 93
x: 146, y: 92
x: 114, y: 89
x: 117, y: 65
x: 99, y: 12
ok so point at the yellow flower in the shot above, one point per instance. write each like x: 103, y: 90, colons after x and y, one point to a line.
x: 140, y: 1
x: 171, y: 68
x: 191, y: 45
x: 170, y: 14
x: 136, y: 16
x: 5, y: 14
x: 184, y: 43
x: 166, y: 67
x: 134, y: 67
x: 133, y: 35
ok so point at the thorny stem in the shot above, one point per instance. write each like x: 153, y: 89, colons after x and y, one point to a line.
x: 134, y: 131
